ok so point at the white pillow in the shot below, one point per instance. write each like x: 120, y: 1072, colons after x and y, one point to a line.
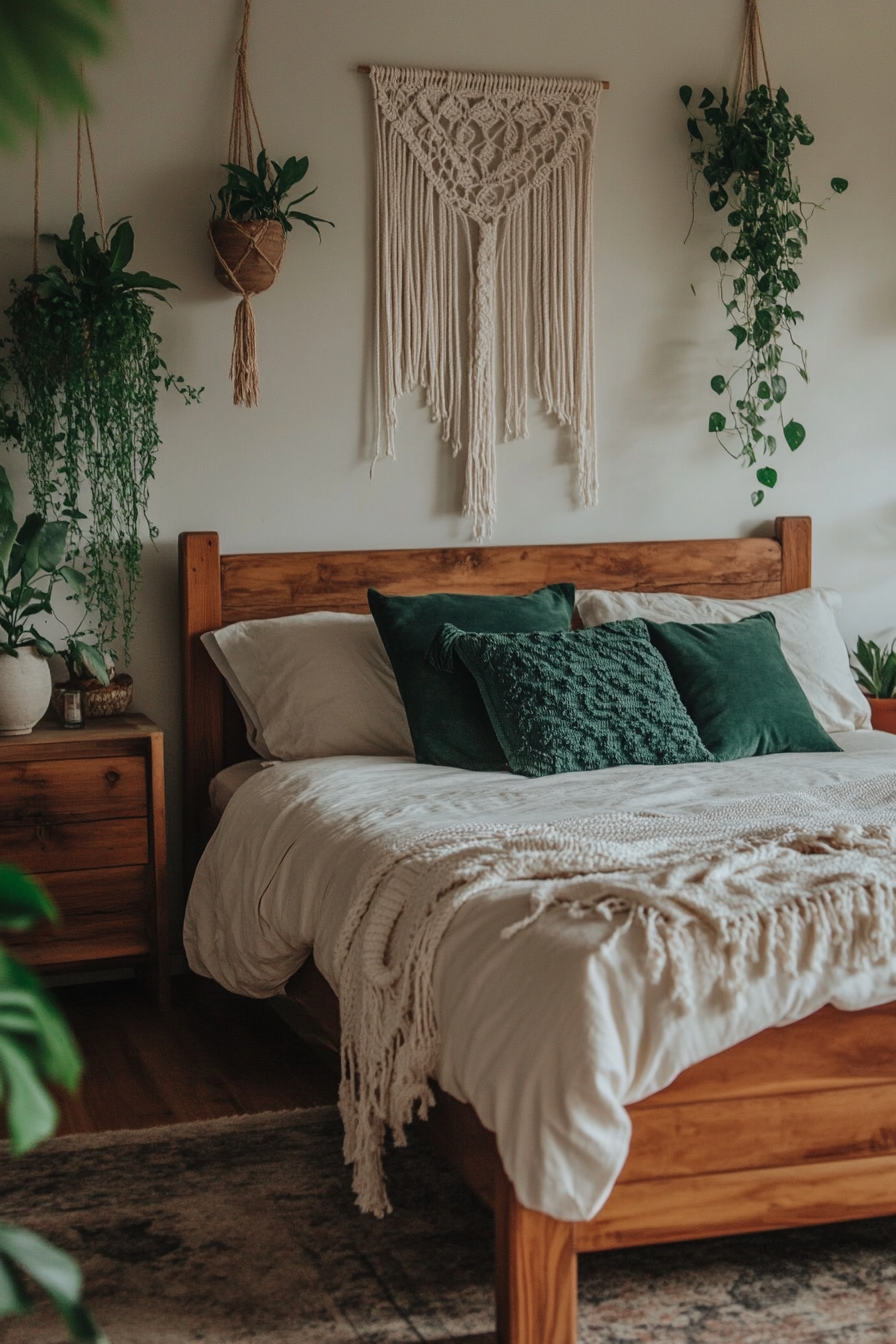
x: 320, y: 684
x: 810, y: 639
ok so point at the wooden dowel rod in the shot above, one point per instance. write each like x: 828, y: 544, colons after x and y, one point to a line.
x: 365, y: 70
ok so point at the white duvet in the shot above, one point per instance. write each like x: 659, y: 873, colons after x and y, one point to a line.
x: 546, y: 1039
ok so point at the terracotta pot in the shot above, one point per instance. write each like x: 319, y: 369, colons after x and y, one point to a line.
x: 253, y: 251
x: 883, y: 714
x: 98, y: 701
x: 25, y: 686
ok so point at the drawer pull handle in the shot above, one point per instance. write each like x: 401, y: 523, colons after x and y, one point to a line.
x: 113, y: 776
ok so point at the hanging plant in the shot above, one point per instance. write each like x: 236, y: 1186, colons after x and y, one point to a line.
x: 248, y: 238
x: 742, y: 151
x: 81, y: 375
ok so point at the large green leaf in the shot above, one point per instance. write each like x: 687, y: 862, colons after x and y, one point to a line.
x: 23, y: 901
x: 51, y: 545
x: 28, y: 540
x: 42, y: 44
x: 25, y: 1253
x: 8, y: 530
x: 121, y: 246
x: 794, y: 433
x: 7, y: 498
x: 36, y: 1046
x: 92, y: 659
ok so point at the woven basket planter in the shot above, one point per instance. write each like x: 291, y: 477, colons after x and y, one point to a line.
x: 99, y: 701
x: 248, y: 253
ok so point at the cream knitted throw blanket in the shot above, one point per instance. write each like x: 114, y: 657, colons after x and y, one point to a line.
x: 791, y: 881
x: 484, y: 207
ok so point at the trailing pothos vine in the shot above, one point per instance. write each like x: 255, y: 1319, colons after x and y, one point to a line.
x: 80, y: 378
x: 745, y: 160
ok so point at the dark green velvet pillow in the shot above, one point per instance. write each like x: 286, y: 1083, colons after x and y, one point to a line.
x: 448, y: 721
x: 576, y: 699
x: 738, y: 688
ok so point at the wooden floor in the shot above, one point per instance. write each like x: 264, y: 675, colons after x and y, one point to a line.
x: 213, y: 1054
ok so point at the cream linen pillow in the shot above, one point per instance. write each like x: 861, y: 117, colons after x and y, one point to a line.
x: 320, y: 684
x: 810, y: 639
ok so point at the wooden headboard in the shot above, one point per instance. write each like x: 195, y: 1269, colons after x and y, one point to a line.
x: 219, y: 589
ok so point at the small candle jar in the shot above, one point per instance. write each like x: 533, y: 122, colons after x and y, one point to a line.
x: 72, y: 709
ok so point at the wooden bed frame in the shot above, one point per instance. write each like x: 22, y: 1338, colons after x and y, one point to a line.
x: 795, y: 1126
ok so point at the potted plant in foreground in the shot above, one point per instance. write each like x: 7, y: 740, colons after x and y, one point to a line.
x: 31, y: 563
x: 36, y: 1047
x: 876, y: 674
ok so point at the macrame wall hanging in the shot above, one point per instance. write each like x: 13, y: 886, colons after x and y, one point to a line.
x: 483, y: 233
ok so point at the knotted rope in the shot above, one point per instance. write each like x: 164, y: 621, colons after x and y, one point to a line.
x: 35, y: 260
x: 748, y: 76
x: 96, y: 182
x: 258, y: 266
x: 36, y: 240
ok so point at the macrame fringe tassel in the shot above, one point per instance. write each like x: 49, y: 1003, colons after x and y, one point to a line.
x: 244, y: 360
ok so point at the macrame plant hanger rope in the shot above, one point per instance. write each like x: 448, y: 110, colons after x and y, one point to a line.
x: 35, y: 258
x: 244, y: 360
x: 748, y: 76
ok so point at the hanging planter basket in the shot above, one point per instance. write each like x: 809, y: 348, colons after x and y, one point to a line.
x: 248, y: 253
x: 249, y: 237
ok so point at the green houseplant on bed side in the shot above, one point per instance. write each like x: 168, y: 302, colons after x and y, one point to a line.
x: 875, y: 671
x: 31, y: 564
x: 745, y: 160
x: 82, y: 372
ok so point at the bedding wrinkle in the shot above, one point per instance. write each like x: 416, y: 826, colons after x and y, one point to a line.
x: 546, y: 1037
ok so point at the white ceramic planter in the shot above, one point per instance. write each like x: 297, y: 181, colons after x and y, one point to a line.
x: 25, y: 687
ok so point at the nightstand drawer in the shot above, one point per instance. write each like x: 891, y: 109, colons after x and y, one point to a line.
x: 72, y: 790
x: 103, y: 916
x: 48, y: 847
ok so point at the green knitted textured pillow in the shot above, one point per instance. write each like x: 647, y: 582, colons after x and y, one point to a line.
x: 576, y: 699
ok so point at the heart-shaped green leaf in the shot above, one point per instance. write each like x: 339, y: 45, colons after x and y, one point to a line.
x: 794, y: 434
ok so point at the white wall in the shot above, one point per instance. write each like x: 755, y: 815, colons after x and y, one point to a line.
x: 294, y: 473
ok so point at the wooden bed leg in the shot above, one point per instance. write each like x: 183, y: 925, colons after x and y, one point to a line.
x: 535, y: 1273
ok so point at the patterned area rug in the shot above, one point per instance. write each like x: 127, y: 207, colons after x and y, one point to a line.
x: 244, y: 1230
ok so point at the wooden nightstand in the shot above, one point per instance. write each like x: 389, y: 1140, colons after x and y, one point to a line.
x: 84, y: 810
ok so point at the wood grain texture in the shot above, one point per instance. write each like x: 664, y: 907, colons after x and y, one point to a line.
x: 741, y: 1133
x: 72, y: 790
x: 795, y: 536
x: 257, y: 586
x: 212, y: 1054
x: 202, y: 694
x: 535, y: 1273
x: 687, y: 1208
x: 104, y: 918
x: 159, y: 965
x: 47, y: 847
